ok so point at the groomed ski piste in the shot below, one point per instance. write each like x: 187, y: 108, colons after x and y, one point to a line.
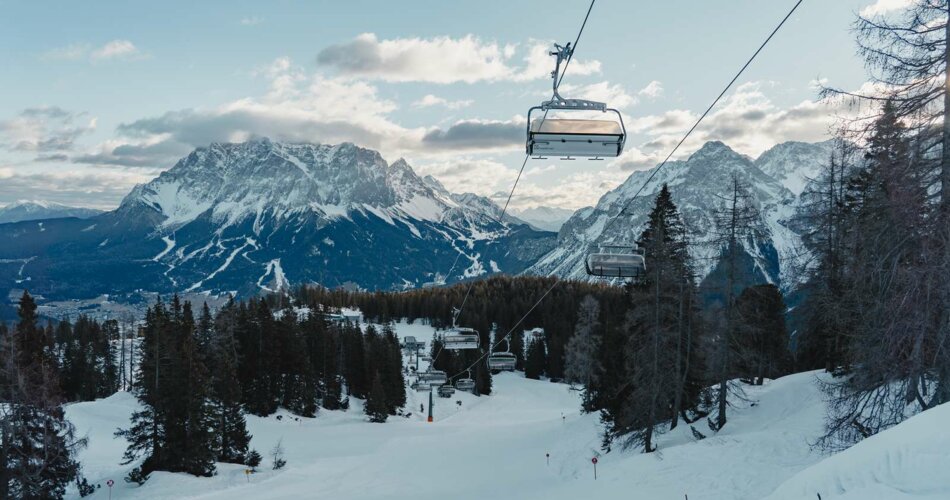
x: 496, y: 446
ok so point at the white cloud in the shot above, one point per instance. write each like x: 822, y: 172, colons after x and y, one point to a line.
x: 116, y: 49
x: 539, y: 64
x: 430, y: 100
x: 441, y: 60
x: 573, y: 191
x: 747, y: 120
x: 653, y: 90
x: 44, y: 131
x: 112, y: 50
x: 613, y: 94
x: 882, y: 7
x: 469, y: 175
x: 251, y: 21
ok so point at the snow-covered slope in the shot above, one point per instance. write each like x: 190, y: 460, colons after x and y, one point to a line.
x: 495, y: 447
x: 264, y: 215
x: 907, y: 462
x: 698, y: 185
x: 24, y: 210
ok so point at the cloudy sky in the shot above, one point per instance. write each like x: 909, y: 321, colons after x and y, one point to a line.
x: 98, y: 96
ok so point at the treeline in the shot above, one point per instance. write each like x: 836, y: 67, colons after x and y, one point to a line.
x: 643, y: 355
x: 38, y: 445
x: 876, y: 311
x: 197, y: 377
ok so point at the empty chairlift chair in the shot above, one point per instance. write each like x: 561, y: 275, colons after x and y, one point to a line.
x: 460, y: 338
x: 446, y: 391
x: 502, y: 361
x: 616, y: 261
x: 567, y: 138
x: 465, y: 384
x: 421, y: 386
x: 433, y: 377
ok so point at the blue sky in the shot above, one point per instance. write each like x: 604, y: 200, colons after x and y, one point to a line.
x: 98, y: 96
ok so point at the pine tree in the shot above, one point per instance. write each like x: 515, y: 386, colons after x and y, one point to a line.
x: 536, y: 359
x: 582, y: 363
x: 173, y: 430
x: 231, y: 439
x: 762, y: 341
x: 654, y: 326
x: 375, y: 407
x: 37, y: 443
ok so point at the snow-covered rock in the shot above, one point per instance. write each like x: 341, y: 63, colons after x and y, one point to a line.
x: 24, y: 210
x: 262, y: 215
x: 698, y: 185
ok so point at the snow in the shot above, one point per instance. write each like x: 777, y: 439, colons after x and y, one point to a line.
x: 169, y: 245
x: 495, y: 446
x: 422, y: 208
x: 176, y: 203
x: 909, y: 461
x: 279, y: 281
x: 227, y: 262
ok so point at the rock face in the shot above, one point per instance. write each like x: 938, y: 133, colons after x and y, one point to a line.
x: 262, y: 215
x: 775, y: 179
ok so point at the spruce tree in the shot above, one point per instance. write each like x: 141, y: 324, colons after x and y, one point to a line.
x: 582, y: 357
x: 536, y: 359
x: 231, y: 438
x: 37, y: 443
x: 375, y: 407
x: 654, y: 326
x: 173, y: 430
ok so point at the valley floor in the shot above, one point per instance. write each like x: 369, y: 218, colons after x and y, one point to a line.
x: 494, y: 447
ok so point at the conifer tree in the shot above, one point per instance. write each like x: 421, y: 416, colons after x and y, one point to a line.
x: 375, y: 407
x: 654, y: 325
x: 37, y: 443
x: 582, y: 363
x: 173, y: 430
x: 536, y: 358
x: 231, y: 438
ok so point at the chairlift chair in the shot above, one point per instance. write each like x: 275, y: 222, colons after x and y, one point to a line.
x: 421, y: 387
x: 446, y: 391
x: 460, y: 338
x: 567, y: 138
x: 465, y: 384
x: 433, y: 377
x: 616, y: 261
x: 502, y: 361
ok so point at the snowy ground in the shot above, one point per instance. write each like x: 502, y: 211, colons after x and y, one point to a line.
x: 494, y: 447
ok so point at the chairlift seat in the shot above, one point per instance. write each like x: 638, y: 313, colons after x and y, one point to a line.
x: 461, y: 338
x: 446, y: 391
x: 621, y: 262
x: 571, y: 137
x: 465, y: 384
x: 433, y: 377
x: 421, y: 387
x: 505, y: 361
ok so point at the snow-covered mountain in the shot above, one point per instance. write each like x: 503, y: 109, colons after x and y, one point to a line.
x: 37, y: 209
x: 546, y: 218
x: 697, y: 184
x: 264, y: 215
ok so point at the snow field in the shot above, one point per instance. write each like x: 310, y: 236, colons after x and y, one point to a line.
x: 494, y: 447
